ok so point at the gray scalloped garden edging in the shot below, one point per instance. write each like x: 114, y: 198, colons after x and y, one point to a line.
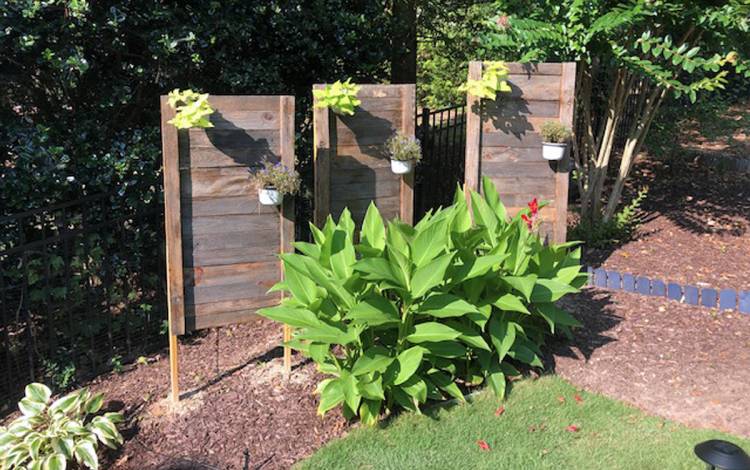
x: 724, y: 299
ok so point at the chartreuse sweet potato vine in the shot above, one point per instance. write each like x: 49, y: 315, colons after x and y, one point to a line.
x: 192, y: 109
x: 57, y: 435
x: 340, y: 97
x: 415, y: 313
x: 494, y: 79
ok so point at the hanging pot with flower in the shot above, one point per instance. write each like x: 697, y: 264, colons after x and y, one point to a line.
x: 405, y: 151
x: 555, y: 136
x: 274, y: 181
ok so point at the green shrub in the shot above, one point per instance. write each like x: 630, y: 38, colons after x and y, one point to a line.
x: 618, y: 230
x: 49, y: 436
x: 415, y: 313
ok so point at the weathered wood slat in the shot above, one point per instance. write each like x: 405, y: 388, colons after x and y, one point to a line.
x: 217, y: 182
x: 367, y: 128
x: 521, y: 140
x: 516, y: 125
x: 229, y: 140
x: 205, y: 255
x: 534, y: 87
x: 535, y: 69
x: 206, y: 284
x: 532, y: 170
x: 250, y: 154
x: 354, y: 158
x: 227, y: 103
x: 510, y: 154
x: 234, y: 205
x: 246, y: 224
x: 244, y: 119
x: 523, y: 185
x: 514, y: 107
x: 388, y: 206
x: 247, y: 305
x: 367, y: 189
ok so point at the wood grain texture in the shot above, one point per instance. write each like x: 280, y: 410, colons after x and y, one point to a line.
x: 352, y: 166
x: 503, y: 140
x: 229, y: 242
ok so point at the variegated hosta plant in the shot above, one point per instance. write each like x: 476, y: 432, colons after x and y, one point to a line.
x: 398, y: 315
x: 57, y: 435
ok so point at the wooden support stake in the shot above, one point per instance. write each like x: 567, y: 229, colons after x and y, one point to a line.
x: 174, y: 368
x: 286, y: 111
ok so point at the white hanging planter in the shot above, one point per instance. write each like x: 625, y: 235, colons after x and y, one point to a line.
x: 270, y: 196
x: 402, y: 167
x: 553, y: 151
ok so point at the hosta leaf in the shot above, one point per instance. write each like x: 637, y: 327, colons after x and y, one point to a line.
x: 54, y: 462
x: 450, y: 349
x: 296, y: 317
x: 374, y: 310
x: 556, y: 316
x: 430, y: 275
x: 376, y: 358
x: 63, y: 446
x: 373, y: 230
x: 444, y: 306
x: 95, y: 403
x: 503, y: 335
x: 432, y: 331
x: 550, y: 290
x: 408, y: 362
x: 85, y: 452
x: 37, y: 392
x: 65, y: 403
x: 511, y: 303
x: 29, y: 407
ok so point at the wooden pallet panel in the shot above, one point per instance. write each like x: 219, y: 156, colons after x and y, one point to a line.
x: 504, y: 144
x: 352, y: 167
x: 222, y: 244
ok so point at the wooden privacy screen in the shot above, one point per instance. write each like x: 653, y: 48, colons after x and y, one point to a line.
x: 351, y: 165
x: 503, y: 141
x: 222, y: 245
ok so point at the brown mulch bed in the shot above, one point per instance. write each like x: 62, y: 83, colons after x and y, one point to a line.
x: 235, y: 400
x: 684, y: 363
x: 696, y: 227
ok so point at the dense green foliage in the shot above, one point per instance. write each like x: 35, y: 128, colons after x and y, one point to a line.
x: 52, y: 436
x: 531, y: 433
x: 494, y: 80
x: 410, y: 313
x: 340, y: 97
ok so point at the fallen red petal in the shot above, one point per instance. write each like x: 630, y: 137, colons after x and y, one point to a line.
x: 500, y: 411
x: 578, y: 398
x: 483, y: 444
x: 561, y: 399
x: 572, y: 428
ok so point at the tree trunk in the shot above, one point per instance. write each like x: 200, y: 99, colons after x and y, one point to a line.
x: 404, y: 42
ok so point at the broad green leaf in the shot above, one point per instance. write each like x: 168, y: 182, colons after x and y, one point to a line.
x: 525, y: 355
x: 404, y: 399
x: 373, y: 230
x: 444, y: 306
x: 342, y: 255
x: 376, y: 358
x: 496, y: 379
x: 376, y: 269
x: 469, y: 335
x: 450, y: 349
x: 416, y: 388
x: 523, y: 284
x: 445, y: 383
x: 301, y: 287
x: 65, y: 403
x: 556, y: 316
x: 503, y: 335
x: 374, y: 310
x: 408, y: 363
x: 63, y: 446
x: 369, y: 411
x: 430, y: 275
x: 400, y: 267
x: 372, y: 390
x: 493, y: 199
x: 295, y: 317
x: 334, y: 287
x: 429, y: 243
x: 308, y: 249
x: 477, y: 267
x: 95, y: 403
x: 37, y: 392
x: 349, y: 385
x: 324, y: 333
x: 511, y: 303
x: 331, y: 395
x: 483, y: 215
x: 432, y: 331
x: 550, y: 290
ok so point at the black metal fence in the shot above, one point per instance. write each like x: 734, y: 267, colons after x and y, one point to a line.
x: 81, y: 291
x: 442, y: 133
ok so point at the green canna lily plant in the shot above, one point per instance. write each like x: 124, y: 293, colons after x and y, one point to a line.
x: 398, y: 315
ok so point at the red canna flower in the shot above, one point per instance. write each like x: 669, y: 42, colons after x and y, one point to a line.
x: 529, y: 222
x: 483, y: 444
x: 500, y: 411
x: 534, y: 206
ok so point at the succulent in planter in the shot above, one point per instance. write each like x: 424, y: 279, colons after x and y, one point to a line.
x: 340, y: 97
x: 555, y: 136
x: 274, y: 181
x: 404, y: 152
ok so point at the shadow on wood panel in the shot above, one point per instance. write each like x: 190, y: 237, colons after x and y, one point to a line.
x: 238, y: 144
x: 514, y: 119
x: 369, y: 130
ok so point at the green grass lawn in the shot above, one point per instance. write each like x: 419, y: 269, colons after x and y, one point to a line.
x: 531, y: 433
